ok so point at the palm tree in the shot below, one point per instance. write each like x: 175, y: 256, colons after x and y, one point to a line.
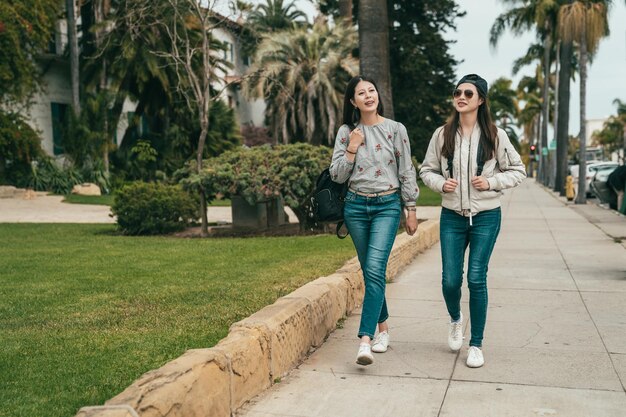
x: 345, y: 10
x: 529, y: 92
x: 504, y: 105
x: 302, y: 74
x: 374, y: 47
x: 526, y: 15
x: 584, y: 22
x: 275, y: 16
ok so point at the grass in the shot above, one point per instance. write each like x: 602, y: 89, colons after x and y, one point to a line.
x: 427, y: 196
x: 85, y: 312
x: 103, y: 200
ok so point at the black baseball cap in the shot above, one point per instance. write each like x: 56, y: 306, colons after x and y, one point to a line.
x: 477, y: 80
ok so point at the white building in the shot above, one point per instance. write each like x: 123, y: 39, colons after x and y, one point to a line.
x: 49, y: 108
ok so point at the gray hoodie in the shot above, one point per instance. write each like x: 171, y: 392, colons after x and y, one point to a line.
x: 504, y: 171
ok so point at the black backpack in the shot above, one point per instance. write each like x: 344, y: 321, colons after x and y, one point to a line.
x: 328, y: 200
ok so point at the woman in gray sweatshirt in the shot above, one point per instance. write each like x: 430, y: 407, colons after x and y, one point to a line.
x: 373, y: 154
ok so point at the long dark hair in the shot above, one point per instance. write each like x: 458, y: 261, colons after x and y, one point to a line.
x: 352, y: 115
x: 488, y: 131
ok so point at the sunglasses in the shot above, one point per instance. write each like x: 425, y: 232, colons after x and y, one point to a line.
x: 458, y: 92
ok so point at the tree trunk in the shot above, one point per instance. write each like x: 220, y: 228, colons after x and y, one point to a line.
x: 345, y: 10
x: 581, y: 198
x: 545, y: 106
x: 555, y: 114
x: 562, y: 138
x: 374, y: 48
x: 73, y: 48
x: 204, y: 123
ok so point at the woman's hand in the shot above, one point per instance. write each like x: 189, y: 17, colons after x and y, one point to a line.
x: 411, y: 222
x: 450, y: 185
x: 480, y: 183
x: 356, y: 139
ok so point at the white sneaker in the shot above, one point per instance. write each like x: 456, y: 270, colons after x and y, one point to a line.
x: 455, y: 337
x: 381, y: 342
x: 364, y: 357
x: 475, y: 357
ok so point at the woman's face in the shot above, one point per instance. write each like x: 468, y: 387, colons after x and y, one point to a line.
x: 462, y: 102
x: 365, y: 97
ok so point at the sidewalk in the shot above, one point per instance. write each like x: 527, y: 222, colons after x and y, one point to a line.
x: 555, y: 342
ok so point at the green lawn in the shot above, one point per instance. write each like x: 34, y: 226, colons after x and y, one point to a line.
x: 84, y: 312
x: 427, y: 196
x: 103, y: 200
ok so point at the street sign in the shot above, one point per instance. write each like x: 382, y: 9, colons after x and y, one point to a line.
x: 552, y: 145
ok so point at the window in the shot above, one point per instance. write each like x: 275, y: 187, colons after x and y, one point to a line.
x: 229, y: 53
x: 59, y: 126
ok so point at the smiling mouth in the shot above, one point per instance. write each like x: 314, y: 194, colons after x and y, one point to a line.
x: 369, y: 103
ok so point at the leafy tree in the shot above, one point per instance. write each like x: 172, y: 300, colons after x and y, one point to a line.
x: 612, y: 136
x: 302, y: 75
x: 179, y: 59
x: 422, y: 70
x: 25, y: 31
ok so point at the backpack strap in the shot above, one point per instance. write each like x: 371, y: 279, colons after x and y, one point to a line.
x: 480, y: 161
x: 341, y: 235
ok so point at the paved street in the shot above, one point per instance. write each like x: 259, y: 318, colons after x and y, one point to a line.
x: 555, y: 342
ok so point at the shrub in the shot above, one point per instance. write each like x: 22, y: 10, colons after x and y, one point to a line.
x: 153, y: 208
x: 19, y: 146
x: 45, y: 175
x: 261, y: 173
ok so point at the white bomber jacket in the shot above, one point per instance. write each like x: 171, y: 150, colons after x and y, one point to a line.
x: 504, y: 171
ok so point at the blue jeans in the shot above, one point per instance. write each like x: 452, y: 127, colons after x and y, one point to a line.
x: 373, y: 224
x: 456, y: 234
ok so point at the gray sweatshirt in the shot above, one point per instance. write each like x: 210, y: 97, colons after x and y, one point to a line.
x: 383, y: 161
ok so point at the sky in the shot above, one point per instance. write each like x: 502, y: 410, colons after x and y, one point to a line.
x: 606, y: 75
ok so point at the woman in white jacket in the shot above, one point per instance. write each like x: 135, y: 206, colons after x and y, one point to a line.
x: 469, y: 161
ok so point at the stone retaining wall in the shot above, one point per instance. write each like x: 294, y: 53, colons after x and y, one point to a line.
x: 259, y: 349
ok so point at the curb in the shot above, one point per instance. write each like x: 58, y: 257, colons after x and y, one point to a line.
x: 260, y: 349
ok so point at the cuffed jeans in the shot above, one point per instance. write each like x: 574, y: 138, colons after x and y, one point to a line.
x: 373, y: 224
x: 456, y: 234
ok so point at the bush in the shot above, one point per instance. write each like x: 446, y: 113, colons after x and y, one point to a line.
x: 261, y: 173
x: 153, y: 208
x: 45, y: 175
x: 19, y: 146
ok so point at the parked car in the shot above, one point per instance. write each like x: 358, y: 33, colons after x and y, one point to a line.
x: 600, y: 184
x: 592, y: 167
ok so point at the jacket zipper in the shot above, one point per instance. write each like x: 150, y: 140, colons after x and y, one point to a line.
x: 469, y: 188
x: 508, y: 158
x: 458, y: 147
